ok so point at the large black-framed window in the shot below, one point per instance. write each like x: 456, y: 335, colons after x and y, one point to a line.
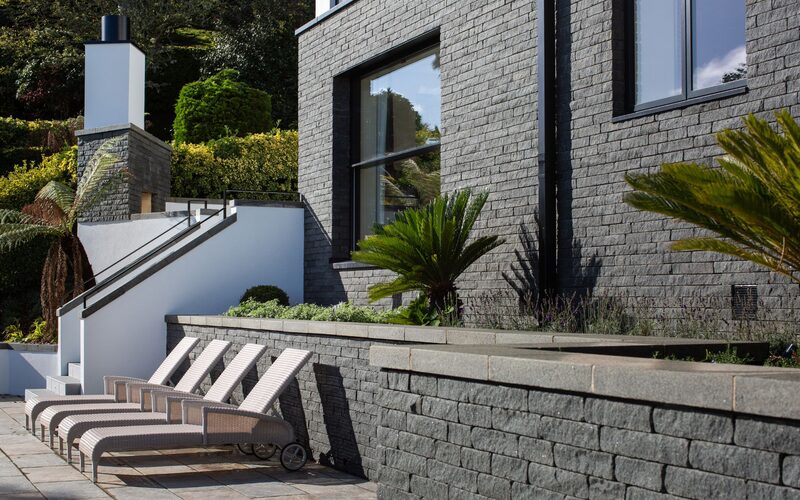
x: 684, y: 49
x: 395, y: 161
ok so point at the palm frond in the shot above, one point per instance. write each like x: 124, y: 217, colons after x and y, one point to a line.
x: 428, y: 247
x: 15, y: 235
x: 751, y: 203
x: 59, y: 193
x: 102, y: 175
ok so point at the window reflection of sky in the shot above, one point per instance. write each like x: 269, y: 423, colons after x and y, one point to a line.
x: 717, y: 44
x: 419, y: 83
x: 718, y: 40
x: 658, y: 51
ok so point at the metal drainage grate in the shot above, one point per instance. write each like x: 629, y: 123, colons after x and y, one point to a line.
x: 744, y: 302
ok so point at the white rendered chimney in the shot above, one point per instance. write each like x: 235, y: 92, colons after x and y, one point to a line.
x: 114, y: 78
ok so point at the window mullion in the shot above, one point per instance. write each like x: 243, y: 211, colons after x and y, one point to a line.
x: 687, y: 48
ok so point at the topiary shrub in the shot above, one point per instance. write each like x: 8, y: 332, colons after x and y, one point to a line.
x: 260, y: 162
x: 218, y: 107
x: 265, y: 293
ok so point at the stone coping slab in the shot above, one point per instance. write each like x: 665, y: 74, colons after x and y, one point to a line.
x: 738, y: 388
x: 427, y: 334
x: 24, y: 347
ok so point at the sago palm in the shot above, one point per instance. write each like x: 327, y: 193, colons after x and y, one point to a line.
x: 751, y: 203
x: 428, y: 248
x: 53, y: 215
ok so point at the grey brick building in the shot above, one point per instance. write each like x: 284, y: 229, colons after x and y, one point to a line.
x: 625, y: 86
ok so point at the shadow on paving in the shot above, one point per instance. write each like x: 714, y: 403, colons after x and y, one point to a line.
x: 220, y: 472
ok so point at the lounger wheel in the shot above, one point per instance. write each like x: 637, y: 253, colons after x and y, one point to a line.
x: 264, y: 451
x: 245, y: 448
x: 293, y: 457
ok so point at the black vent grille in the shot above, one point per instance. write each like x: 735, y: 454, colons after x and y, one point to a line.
x: 744, y: 302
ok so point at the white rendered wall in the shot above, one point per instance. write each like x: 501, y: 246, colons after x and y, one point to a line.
x: 107, y: 242
x: 128, y: 336
x: 69, y: 339
x: 20, y: 370
x: 114, y: 85
x: 180, y: 206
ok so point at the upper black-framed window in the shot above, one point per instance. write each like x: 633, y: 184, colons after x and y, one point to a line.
x: 395, y: 155
x: 684, y: 49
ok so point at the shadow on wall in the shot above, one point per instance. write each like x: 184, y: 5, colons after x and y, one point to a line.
x: 291, y: 403
x: 322, y: 284
x: 344, y: 454
x: 523, y: 276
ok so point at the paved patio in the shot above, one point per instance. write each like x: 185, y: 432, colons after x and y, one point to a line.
x: 29, y: 469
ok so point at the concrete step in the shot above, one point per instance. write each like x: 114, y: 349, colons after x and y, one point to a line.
x: 41, y: 393
x: 74, y: 370
x: 64, y: 385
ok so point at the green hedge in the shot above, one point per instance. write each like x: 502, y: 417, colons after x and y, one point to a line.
x: 20, y: 186
x: 259, y: 162
x: 220, y: 106
x: 23, y: 141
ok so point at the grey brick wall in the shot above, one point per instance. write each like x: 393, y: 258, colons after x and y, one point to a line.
x: 488, y: 121
x: 147, y: 160
x: 441, y: 437
x: 489, y: 93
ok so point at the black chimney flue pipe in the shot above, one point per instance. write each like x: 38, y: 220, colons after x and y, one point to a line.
x: 116, y: 29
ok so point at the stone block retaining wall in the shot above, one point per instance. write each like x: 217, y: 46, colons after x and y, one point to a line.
x: 331, y: 405
x: 442, y: 437
x: 506, y: 416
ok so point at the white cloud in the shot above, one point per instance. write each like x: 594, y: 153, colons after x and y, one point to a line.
x: 711, y: 73
x: 426, y: 90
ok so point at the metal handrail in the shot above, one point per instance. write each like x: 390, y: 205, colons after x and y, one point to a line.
x: 189, y: 218
x: 144, y: 258
x: 189, y: 204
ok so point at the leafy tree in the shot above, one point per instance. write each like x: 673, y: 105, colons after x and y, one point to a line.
x: 428, y: 248
x: 53, y: 215
x: 220, y: 106
x: 41, y: 48
x: 751, y: 203
x: 256, y: 38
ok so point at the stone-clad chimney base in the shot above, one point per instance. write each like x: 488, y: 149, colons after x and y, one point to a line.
x: 147, y: 159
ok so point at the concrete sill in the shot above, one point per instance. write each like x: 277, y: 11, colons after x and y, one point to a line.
x: 349, y: 265
x: 24, y: 347
x: 680, y: 104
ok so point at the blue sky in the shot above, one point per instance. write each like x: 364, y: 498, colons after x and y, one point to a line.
x: 419, y: 83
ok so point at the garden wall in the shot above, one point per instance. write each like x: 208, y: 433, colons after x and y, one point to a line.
x: 332, y: 406
x: 23, y: 366
x: 424, y: 415
x: 556, y: 425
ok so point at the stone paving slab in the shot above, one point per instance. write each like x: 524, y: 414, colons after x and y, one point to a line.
x: 30, y: 469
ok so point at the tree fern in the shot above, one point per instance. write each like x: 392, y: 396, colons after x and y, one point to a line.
x: 751, y: 202
x: 54, y: 214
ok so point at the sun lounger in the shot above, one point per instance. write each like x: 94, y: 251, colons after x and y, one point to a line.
x: 51, y: 417
x: 206, y: 423
x: 166, y: 405
x: 114, y: 386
